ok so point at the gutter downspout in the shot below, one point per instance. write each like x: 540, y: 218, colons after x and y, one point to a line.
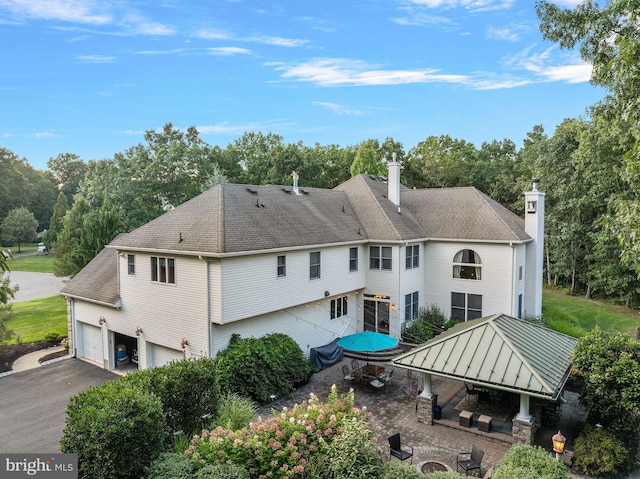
x: 208, y: 306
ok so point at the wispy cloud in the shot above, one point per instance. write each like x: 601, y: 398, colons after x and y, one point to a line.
x: 343, y: 72
x: 96, y: 58
x: 86, y: 12
x: 161, y: 52
x: 511, y: 32
x: 546, y: 66
x: 278, y: 41
x: 211, y: 34
x: 228, y: 51
x: 471, y: 5
x: 337, y: 108
x: 78, y: 11
x: 227, y: 128
x: 45, y: 134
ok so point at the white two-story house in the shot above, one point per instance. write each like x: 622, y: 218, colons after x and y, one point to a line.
x: 312, y: 263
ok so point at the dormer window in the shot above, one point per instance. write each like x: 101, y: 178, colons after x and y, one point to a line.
x: 467, y: 265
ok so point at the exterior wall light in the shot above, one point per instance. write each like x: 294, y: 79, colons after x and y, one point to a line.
x: 138, y: 331
x: 102, y: 320
x: 184, y: 343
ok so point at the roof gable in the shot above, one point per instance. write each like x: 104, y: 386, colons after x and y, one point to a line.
x: 498, y: 351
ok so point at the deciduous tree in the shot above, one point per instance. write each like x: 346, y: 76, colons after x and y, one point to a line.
x: 20, y: 226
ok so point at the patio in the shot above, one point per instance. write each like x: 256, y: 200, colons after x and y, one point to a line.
x: 394, y: 410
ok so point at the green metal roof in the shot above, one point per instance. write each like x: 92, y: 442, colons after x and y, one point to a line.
x: 499, y: 352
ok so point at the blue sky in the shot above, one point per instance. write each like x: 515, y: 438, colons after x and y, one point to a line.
x: 90, y: 77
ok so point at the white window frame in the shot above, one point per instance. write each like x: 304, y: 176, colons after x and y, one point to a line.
x: 131, y: 263
x: 339, y: 307
x: 281, y: 268
x: 411, y: 306
x: 163, y: 270
x: 467, y: 264
x: 381, y: 258
x: 353, y: 259
x: 412, y: 259
x: 468, y: 312
x: 314, y: 265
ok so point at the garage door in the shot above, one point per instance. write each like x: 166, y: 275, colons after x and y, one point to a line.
x: 92, y: 343
x: 161, y: 355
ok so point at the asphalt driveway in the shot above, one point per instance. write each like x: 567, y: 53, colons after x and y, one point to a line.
x: 36, y: 285
x: 33, y: 404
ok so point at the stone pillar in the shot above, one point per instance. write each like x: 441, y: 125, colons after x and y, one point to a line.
x: 426, y: 400
x: 524, y: 431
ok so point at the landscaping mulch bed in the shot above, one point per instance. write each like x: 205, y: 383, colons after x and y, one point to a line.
x: 8, y: 354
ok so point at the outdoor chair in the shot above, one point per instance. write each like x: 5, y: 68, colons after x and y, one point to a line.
x: 348, y: 376
x: 472, y: 391
x: 396, y: 450
x: 355, y: 364
x: 376, y: 384
x: 470, y: 461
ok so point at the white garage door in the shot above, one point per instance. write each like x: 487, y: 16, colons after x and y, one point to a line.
x: 92, y: 343
x: 160, y: 355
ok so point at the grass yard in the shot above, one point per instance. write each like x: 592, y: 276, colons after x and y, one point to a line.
x: 576, y: 315
x: 39, y: 263
x: 33, y: 320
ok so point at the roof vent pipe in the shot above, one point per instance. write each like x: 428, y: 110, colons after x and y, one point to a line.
x: 296, y: 190
x: 393, y: 185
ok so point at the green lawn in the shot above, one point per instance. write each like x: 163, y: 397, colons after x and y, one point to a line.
x: 33, y: 320
x: 576, y: 315
x: 40, y: 263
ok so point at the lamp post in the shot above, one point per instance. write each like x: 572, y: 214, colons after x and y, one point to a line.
x: 559, y: 442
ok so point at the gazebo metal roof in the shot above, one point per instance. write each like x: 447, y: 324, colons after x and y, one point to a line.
x: 500, y: 352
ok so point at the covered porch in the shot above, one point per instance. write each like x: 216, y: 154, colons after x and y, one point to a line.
x: 514, y: 372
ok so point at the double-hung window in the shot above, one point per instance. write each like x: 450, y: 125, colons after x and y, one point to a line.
x: 163, y: 270
x: 131, y: 264
x: 413, y: 256
x: 314, y: 265
x: 339, y: 307
x: 411, y: 306
x: 353, y: 259
x: 380, y: 257
x: 282, y: 266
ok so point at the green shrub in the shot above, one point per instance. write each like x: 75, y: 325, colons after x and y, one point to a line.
x: 530, y: 462
x: 280, y: 446
x: 446, y: 475
x: 262, y: 368
x: 431, y: 321
x: 222, y: 471
x: 188, y: 390
x: 599, y: 452
x: 170, y: 466
x: 235, y: 412
x: 401, y: 470
x: 52, y: 337
x: 109, y: 425
x: 354, y: 455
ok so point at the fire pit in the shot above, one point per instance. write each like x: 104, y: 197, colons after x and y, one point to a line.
x: 432, y: 466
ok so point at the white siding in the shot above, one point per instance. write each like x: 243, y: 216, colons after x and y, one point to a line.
x: 250, y: 286
x: 309, y: 325
x: 496, y: 285
x: 166, y: 313
x: 159, y: 355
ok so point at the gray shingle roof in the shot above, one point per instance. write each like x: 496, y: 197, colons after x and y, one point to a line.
x: 498, y: 351
x: 231, y: 218
x: 98, y: 280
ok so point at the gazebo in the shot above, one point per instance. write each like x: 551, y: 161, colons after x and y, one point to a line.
x: 499, y: 352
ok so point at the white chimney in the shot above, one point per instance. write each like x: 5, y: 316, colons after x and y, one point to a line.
x: 534, y: 227
x: 296, y: 190
x: 393, y: 184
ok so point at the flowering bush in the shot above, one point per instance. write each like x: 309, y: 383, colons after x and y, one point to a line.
x: 280, y: 446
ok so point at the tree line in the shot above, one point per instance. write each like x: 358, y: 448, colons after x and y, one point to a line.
x: 589, y: 168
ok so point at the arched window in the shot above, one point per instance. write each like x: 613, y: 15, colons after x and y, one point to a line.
x: 467, y: 265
